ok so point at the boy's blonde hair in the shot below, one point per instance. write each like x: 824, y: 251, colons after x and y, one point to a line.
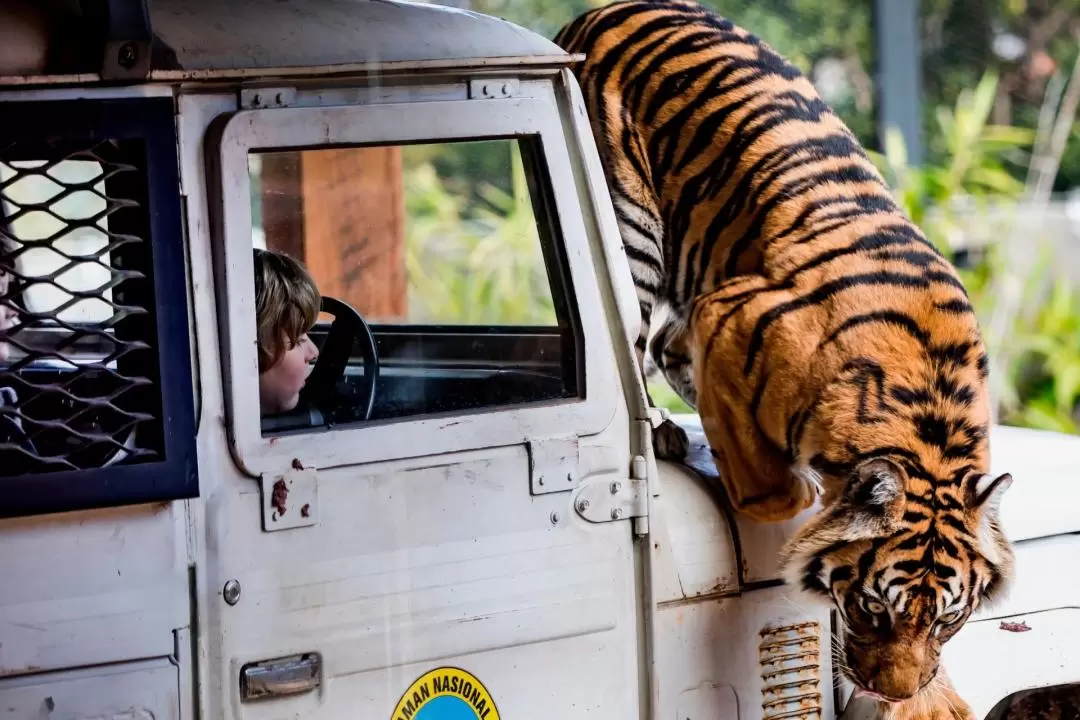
x: 287, y: 303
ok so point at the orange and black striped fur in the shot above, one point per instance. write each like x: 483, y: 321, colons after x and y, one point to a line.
x: 827, y: 346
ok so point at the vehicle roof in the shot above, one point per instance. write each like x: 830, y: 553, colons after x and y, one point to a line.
x: 215, y: 38
x: 215, y: 35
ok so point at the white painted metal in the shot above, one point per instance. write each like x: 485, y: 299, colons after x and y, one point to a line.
x: 1044, y: 499
x: 989, y: 660
x: 90, y: 588
x: 319, y: 127
x: 268, y: 34
x: 85, y: 92
x: 142, y: 690
x: 446, y: 557
x: 616, y: 281
x: 711, y: 656
x: 433, y: 541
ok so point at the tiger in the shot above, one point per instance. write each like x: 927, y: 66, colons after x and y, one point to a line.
x: 830, y: 350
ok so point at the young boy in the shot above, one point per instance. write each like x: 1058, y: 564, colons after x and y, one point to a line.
x: 287, y: 304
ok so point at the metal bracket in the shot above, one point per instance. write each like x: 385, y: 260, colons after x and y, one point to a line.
x: 606, y: 500
x: 268, y: 97
x: 493, y: 88
x: 290, y: 499
x: 553, y: 464
x: 126, y: 36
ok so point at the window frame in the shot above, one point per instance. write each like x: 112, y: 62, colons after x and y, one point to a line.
x: 175, y: 477
x: 310, y: 128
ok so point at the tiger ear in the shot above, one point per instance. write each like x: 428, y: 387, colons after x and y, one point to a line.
x: 984, y: 495
x: 986, y: 492
x: 873, y: 501
x: 871, y: 506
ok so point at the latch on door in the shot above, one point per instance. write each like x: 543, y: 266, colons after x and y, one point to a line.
x: 280, y: 677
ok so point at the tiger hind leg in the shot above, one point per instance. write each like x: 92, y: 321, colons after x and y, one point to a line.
x: 670, y: 354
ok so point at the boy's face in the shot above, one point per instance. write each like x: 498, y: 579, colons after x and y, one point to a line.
x: 8, y: 315
x: 280, y: 386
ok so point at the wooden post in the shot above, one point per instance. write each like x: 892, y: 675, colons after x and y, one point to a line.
x: 354, y: 228
x: 342, y: 212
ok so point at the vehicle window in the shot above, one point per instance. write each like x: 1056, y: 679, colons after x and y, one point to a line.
x: 449, y: 254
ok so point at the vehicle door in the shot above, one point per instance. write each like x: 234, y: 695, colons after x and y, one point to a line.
x: 408, y: 546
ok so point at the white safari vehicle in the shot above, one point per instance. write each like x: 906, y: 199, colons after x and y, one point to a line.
x: 463, y: 518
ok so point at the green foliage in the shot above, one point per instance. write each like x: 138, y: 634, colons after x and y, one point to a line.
x: 473, y: 262
x: 1041, y: 362
x: 663, y: 396
x: 975, y: 170
x: 1046, y: 376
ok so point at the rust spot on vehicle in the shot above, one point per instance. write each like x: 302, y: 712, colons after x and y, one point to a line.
x: 306, y: 510
x: 279, y: 496
x: 296, y: 464
x: 1021, y: 626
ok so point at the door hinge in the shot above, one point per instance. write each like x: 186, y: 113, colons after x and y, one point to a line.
x: 290, y: 499
x: 607, y: 500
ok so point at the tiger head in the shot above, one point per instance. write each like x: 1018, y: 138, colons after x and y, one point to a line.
x: 903, y: 570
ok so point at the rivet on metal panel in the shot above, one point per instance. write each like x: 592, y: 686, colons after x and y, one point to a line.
x: 127, y: 56
x: 231, y: 592
x: 582, y: 505
x: 616, y: 486
x: 616, y: 513
x: 790, y: 660
x: 555, y: 517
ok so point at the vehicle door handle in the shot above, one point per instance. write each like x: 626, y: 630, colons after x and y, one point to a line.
x: 280, y: 677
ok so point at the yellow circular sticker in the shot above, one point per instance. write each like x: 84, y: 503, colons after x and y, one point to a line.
x: 446, y: 693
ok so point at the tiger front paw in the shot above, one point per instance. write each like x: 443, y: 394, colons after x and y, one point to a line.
x: 670, y: 441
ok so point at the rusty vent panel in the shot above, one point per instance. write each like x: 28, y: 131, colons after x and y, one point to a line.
x: 790, y: 659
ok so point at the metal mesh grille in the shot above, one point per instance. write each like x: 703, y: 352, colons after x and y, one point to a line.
x: 78, y: 366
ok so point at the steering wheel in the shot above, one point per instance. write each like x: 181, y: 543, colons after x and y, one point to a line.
x: 347, y: 327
